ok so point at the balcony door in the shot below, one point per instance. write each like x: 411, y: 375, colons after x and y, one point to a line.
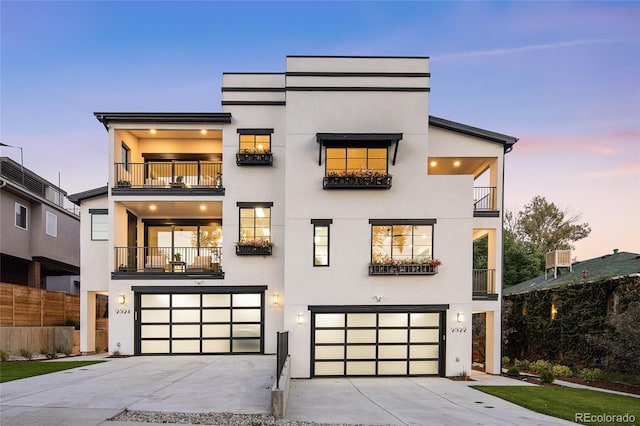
x: 182, y: 240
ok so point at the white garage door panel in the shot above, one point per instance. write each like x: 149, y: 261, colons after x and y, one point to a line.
x: 376, y: 343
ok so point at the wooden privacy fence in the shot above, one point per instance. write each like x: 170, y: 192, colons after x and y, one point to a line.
x: 27, y: 306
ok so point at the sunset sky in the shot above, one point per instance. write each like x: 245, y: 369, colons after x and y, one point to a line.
x: 564, y: 77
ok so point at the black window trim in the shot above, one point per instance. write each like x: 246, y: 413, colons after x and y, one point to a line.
x: 356, y: 146
x: 372, y: 140
x: 413, y: 222
x: 255, y: 131
x: 26, y: 217
x: 253, y: 205
x: 322, y: 223
x: 98, y: 212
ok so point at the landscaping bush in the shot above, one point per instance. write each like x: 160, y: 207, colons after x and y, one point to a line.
x: 522, y: 364
x: 4, y: 355
x: 506, y: 361
x: 562, y: 371
x: 26, y: 354
x: 590, y: 374
x: 547, y: 376
x: 539, y: 366
x: 513, y: 371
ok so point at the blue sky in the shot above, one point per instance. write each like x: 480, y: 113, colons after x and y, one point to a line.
x: 564, y: 77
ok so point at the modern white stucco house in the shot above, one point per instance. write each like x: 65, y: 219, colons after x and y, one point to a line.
x: 355, y: 212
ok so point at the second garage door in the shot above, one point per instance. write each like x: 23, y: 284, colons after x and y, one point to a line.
x: 387, y: 341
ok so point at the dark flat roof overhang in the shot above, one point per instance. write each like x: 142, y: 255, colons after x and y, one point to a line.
x: 162, y: 117
x: 358, y: 140
x: 506, y: 140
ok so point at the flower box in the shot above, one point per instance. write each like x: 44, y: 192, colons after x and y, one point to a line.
x: 253, y: 250
x: 254, y: 159
x: 403, y: 269
x: 356, y: 182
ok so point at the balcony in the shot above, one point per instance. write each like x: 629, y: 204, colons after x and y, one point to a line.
x: 168, y: 177
x: 167, y: 263
x: 485, y: 203
x: 373, y: 181
x: 484, y: 284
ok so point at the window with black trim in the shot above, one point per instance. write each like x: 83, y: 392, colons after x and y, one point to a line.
x: 125, y: 156
x: 402, y: 241
x: 99, y: 225
x: 347, y: 161
x: 254, y: 148
x: 321, y: 241
x: 21, y: 216
x: 255, y: 222
x: 255, y: 143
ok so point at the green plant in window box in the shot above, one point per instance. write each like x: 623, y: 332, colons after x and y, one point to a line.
x: 124, y: 183
x: 257, y: 242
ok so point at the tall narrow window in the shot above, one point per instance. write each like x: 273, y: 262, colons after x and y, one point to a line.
x: 125, y: 156
x: 51, y: 226
x: 21, y: 216
x: 321, y: 241
x: 99, y: 224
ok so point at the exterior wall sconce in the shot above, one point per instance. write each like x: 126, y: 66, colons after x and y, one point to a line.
x: 300, y: 318
x: 460, y: 317
x: 122, y: 299
x: 275, y: 298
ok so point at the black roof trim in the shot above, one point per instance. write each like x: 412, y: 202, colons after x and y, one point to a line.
x: 252, y: 73
x: 506, y: 140
x: 85, y: 195
x: 254, y: 204
x: 260, y: 103
x: 355, y: 89
x: 358, y: 57
x: 254, y: 131
x: 350, y: 137
x: 163, y: 117
x: 252, y: 89
x: 198, y: 289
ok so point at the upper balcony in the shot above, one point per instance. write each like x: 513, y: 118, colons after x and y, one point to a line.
x: 168, y: 177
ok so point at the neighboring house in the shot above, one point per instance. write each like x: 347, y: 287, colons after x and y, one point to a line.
x: 565, y: 314
x: 323, y: 200
x: 39, y: 231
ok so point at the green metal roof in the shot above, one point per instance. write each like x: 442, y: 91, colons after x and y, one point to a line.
x: 607, y: 267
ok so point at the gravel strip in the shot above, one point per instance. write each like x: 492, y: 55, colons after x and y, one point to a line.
x: 229, y: 419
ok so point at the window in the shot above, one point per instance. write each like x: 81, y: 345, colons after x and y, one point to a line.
x: 255, y: 140
x: 403, y: 241
x: 351, y: 160
x: 51, y: 224
x: 321, y: 241
x: 21, y: 216
x: 125, y: 156
x: 99, y: 224
x: 255, y: 221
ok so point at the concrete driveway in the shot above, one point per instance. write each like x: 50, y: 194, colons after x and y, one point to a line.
x: 241, y: 384
x: 89, y: 395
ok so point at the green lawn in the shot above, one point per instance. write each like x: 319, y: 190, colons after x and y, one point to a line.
x: 564, y: 402
x: 14, y: 370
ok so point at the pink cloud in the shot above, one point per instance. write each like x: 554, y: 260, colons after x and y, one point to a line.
x: 627, y: 169
x: 609, y: 144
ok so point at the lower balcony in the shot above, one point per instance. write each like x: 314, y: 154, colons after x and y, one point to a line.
x: 484, y: 284
x: 167, y: 263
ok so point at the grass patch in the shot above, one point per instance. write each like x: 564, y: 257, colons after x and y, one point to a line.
x: 14, y: 370
x: 564, y: 403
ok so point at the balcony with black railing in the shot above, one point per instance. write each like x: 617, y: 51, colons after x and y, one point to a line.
x: 485, y: 201
x: 484, y: 284
x: 168, y: 177
x: 167, y: 262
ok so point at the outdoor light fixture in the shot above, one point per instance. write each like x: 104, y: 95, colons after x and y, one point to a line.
x: 122, y: 299
x: 300, y: 318
x: 460, y: 317
x: 203, y: 131
x: 152, y: 131
x: 275, y: 298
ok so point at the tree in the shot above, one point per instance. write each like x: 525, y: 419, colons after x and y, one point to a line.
x: 537, y: 229
x: 548, y: 228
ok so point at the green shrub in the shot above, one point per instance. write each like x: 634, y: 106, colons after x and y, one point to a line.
x: 590, y: 374
x: 522, y: 364
x: 547, y: 376
x: 26, y: 354
x: 562, y: 371
x: 506, y: 361
x: 51, y: 355
x: 513, y: 371
x: 540, y: 366
x: 4, y: 355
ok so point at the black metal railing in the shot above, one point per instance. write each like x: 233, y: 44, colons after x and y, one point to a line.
x: 485, y: 198
x: 484, y: 281
x: 282, y: 354
x: 254, y: 159
x: 168, y: 259
x: 347, y: 182
x: 168, y: 174
x: 403, y: 269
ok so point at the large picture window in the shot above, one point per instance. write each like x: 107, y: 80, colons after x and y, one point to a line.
x: 351, y: 160
x: 402, y: 242
x: 184, y: 241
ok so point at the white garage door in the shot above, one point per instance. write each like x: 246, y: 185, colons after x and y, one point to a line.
x: 377, y: 344
x: 181, y: 322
